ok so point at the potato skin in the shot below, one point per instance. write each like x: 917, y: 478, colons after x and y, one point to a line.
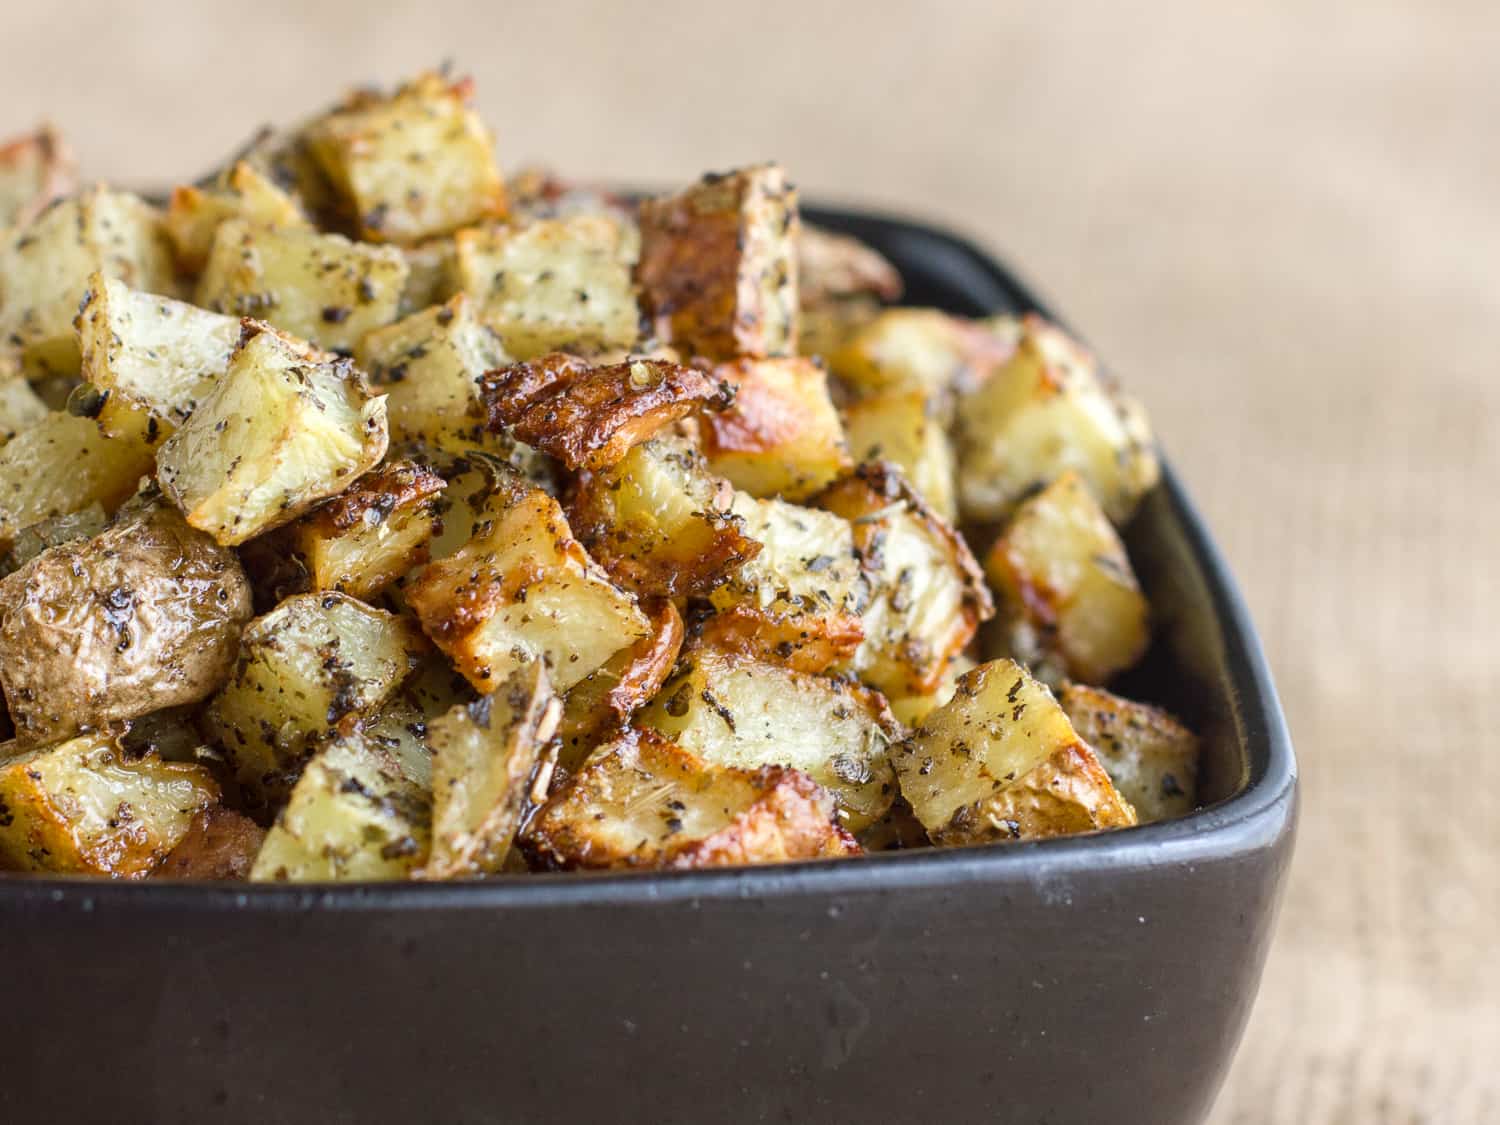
x: 220, y: 844
x: 145, y: 615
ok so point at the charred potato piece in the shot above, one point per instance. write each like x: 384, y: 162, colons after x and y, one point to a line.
x: 905, y: 427
x: 781, y: 435
x: 735, y: 711
x: 718, y: 265
x: 83, y: 807
x: 1044, y: 412
x: 283, y: 428
x: 835, y: 267
x: 220, y: 844
x: 644, y: 802
x: 412, y: 165
x: 1000, y: 761
x: 919, y: 350
x: 1150, y: 756
x: 589, y: 417
x: 34, y: 170
x: 20, y: 406
x: 320, y: 287
x: 484, y: 754
x: 244, y: 192
x: 551, y: 285
x: 1070, y: 603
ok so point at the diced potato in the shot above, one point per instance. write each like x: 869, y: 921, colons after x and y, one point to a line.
x: 400, y: 729
x: 1044, y: 412
x: 143, y: 616
x: 433, y: 276
x: 1000, y: 761
x: 483, y: 757
x: 835, y: 267
x: 83, y: 807
x: 45, y: 266
x: 660, y: 522
x: 910, y: 710
x: 283, y: 428
x: 919, y: 350
x: 303, y: 669
x: 588, y: 416
x: 1070, y: 605
x: 929, y: 594
x: 53, y: 532
x: 19, y: 404
x: 412, y: 165
x: 718, y: 265
x: 1150, y: 756
x: 320, y: 287
x: 781, y: 436
x: 644, y: 802
x: 219, y: 844
x: 194, y: 213
x: 824, y: 329
x: 905, y: 427
x: 35, y: 169
x: 735, y: 711
x: 284, y: 157
x: 524, y: 589
x: 364, y: 539
x: 353, y: 816
x: 538, y: 193
x: 551, y: 285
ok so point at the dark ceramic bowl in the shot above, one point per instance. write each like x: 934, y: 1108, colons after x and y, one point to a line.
x: 1102, y: 978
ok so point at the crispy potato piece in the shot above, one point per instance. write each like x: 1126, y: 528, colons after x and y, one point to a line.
x: 1000, y: 761
x: 736, y: 711
x: 484, y: 756
x: 45, y: 266
x: 354, y: 816
x: 320, y: 287
x: 1045, y: 411
x: 303, y: 669
x: 412, y: 165
x: 524, y: 589
x: 283, y: 428
x: 929, y: 596
x: 836, y: 267
x: 919, y: 350
x: 243, y: 192
x: 219, y: 844
x: 660, y: 522
x: 20, y: 406
x: 35, y: 169
x: 1150, y: 756
x: 53, y: 532
x: 1070, y: 603
x: 83, y: 807
x: 781, y: 436
x: 587, y: 416
x: 551, y: 285
x: 905, y: 427
x: 143, y: 616
x: 644, y: 802
x: 364, y: 539
x: 718, y: 264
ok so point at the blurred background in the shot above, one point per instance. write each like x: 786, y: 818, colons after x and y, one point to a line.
x: 1280, y: 222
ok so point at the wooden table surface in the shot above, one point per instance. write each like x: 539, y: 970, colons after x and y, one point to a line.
x: 1280, y: 221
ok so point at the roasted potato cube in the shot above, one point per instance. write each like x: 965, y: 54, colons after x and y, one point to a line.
x: 484, y: 754
x: 1045, y: 411
x: 919, y: 350
x: 219, y: 844
x: 320, y: 287
x: 905, y: 427
x: 551, y: 285
x: 283, y: 428
x: 304, y: 668
x: 718, y: 265
x: 929, y: 594
x: 83, y: 807
x: 524, y: 589
x: 823, y: 329
x: 660, y: 522
x: 367, y: 537
x: 781, y: 435
x: 353, y: 816
x: 645, y: 802
x: 835, y: 267
x: 1150, y: 756
x: 537, y: 193
x: 20, y: 405
x: 35, y: 169
x: 1000, y: 761
x: 245, y: 192
x: 412, y: 165
x: 45, y: 266
x: 910, y: 710
x: 736, y: 711
x: 589, y: 417
x: 433, y: 276
x: 143, y: 616
x: 1070, y: 605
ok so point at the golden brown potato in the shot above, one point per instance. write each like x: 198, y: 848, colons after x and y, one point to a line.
x: 283, y: 428
x: 83, y: 807
x: 1070, y: 605
x: 219, y: 844
x: 1150, y: 756
x: 35, y: 169
x: 906, y: 428
x: 243, y: 192
x: 644, y: 802
x: 835, y: 267
x: 919, y: 350
x: 718, y: 265
x: 144, y: 616
x: 1000, y: 761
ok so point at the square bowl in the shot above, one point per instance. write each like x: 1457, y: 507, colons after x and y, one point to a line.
x: 1105, y: 977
